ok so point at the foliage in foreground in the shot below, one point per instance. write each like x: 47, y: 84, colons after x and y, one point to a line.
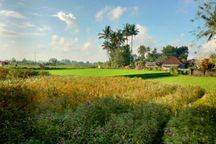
x: 195, y: 124
x: 91, y: 110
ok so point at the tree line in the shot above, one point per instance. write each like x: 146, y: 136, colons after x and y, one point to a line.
x: 119, y: 48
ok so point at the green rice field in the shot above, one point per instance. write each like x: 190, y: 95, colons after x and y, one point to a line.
x: 100, y: 72
x: 208, y: 83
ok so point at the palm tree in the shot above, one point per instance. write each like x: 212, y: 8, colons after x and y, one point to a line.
x: 106, y: 33
x: 120, y: 37
x: 106, y: 45
x: 133, y: 32
x: 207, y: 12
x: 117, y: 38
x: 126, y: 31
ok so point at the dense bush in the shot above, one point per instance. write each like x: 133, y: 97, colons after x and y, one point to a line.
x: 20, y: 73
x: 195, y: 124
x: 105, y: 120
x: 89, y: 110
x: 15, y: 113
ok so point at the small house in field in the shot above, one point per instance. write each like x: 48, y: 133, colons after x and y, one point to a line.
x: 171, y: 62
x: 2, y: 63
x: 151, y: 65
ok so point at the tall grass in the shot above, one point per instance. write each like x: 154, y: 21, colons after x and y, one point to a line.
x: 90, y: 110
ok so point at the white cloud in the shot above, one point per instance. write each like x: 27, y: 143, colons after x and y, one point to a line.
x: 143, y: 32
x: 9, y: 13
x: 112, y: 13
x: 143, y: 38
x: 87, y: 45
x: 5, y: 31
x: 100, y: 14
x: 68, y: 18
x: 27, y: 25
x: 208, y: 48
x: 116, y: 13
x: 60, y: 43
x: 22, y: 29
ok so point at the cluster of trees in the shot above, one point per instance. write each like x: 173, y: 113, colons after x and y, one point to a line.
x: 146, y: 54
x: 50, y: 62
x: 119, y: 49
x: 116, y: 43
x: 55, y: 62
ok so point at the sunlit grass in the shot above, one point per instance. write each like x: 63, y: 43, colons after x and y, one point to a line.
x: 99, y: 72
x: 208, y: 83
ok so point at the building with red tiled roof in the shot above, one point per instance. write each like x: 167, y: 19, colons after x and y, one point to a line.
x: 171, y: 62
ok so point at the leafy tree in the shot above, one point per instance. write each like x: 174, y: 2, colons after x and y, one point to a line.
x: 154, y: 55
x: 169, y: 50
x: 122, y: 56
x: 213, y: 59
x: 24, y: 61
x: 53, y: 61
x: 205, y: 65
x: 142, y: 50
x: 207, y: 13
x: 65, y: 61
x: 182, y: 53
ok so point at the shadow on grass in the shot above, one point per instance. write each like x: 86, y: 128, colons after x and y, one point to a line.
x: 149, y: 75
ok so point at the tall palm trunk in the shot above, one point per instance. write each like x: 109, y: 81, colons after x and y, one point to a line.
x: 131, y: 43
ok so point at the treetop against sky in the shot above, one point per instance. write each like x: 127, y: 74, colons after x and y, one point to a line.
x: 69, y: 28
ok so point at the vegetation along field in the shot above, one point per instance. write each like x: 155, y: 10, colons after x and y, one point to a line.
x: 208, y: 83
x: 56, y: 109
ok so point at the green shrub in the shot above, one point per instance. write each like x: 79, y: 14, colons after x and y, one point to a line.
x: 143, y: 124
x: 194, y: 125
x: 7, y: 73
x: 174, y: 71
x: 105, y: 121
x: 15, y: 113
x: 24, y: 73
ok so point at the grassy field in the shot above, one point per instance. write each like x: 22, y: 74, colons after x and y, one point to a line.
x: 208, y: 83
x: 100, y: 72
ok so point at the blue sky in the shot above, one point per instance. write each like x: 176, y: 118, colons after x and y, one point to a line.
x: 69, y: 28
